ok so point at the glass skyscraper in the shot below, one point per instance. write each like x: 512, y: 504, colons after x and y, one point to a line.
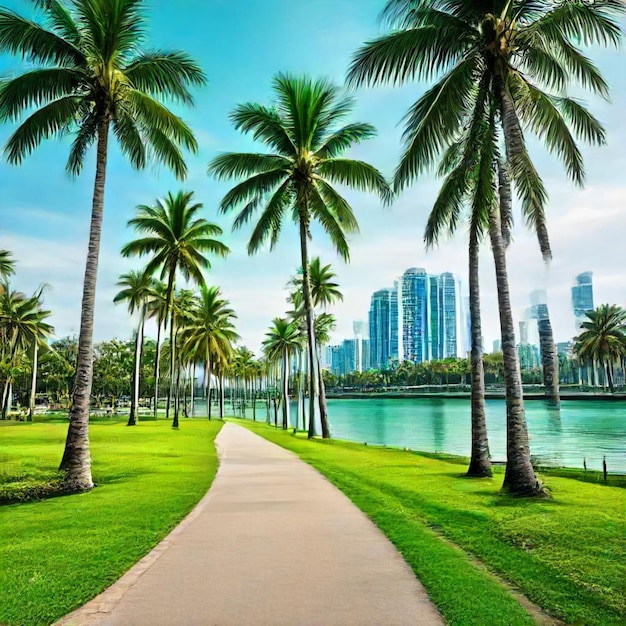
x: 447, y: 315
x: 429, y: 316
x: 415, y: 318
x: 582, y: 297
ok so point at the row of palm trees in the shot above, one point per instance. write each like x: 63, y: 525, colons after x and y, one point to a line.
x: 499, y: 66
x: 24, y: 331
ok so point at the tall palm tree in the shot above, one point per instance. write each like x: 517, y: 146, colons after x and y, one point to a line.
x: 283, y: 339
x: 89, y: 76
x: 157, y: 308
x: 303, y: 129
x: 210, y: 334
x: 499, y: 61
x: 324, y: 292
x: 603, y: 339
x: 136, y: 290
x: 178, y: 241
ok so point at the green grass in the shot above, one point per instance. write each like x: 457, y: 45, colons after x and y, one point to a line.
x: 58, y: 553
x: 565, y: 554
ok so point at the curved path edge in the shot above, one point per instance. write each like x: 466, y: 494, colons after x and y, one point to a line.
x: 95, y: 609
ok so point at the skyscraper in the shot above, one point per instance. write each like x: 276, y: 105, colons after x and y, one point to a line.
x: 435, y: 318
x: 394, y: 322
x: 380, y: 324
x: 415, y: 322
x: 447, y: 314
x: 582, y: 297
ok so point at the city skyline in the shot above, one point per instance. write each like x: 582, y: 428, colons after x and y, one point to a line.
x: 45, y: 214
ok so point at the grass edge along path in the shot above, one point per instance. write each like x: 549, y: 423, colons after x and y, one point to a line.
x: 385, y: 484
x: 57, y: 554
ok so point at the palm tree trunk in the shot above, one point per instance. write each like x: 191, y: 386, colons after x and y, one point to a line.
x: 549, y: 361
x: 519, y: 477
x: 222, y: 397
x: 310, y: 331
x: 286, y: 389
x: 322, y: 390
x: 33, y: 384
x: 480, y: 463
x: 207, y: 386
x: 254, y: 381
x: 176, y: 397
x: 76, y: 461
x: 192, y: 386
x: 156, y: 371
x: 170, y: 391
x: 134, y: 405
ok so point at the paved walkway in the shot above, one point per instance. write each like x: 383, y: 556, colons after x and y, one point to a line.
x: 272, y: 543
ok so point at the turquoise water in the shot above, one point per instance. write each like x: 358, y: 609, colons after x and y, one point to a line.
x: 580, y: 429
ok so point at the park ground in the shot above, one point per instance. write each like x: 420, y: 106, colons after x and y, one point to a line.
x: 481, y: 555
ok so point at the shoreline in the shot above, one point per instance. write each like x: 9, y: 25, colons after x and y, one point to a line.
x: 461, y: 395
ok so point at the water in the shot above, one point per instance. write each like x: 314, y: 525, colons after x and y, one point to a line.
x: 580, y: 429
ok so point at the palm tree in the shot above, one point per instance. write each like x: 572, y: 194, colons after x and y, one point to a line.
x: 22, y: 324
x: 90, y: 76
x: 136, y: 289
x: 7, y: 266
x: 283, y: 339
x: 210, y: 334
x: 603, y: 339
x: 177, y: 240
x: 303, y: 130
x: 157, y: 307
x: 500, y: 60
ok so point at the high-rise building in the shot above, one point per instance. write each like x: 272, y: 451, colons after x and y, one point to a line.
x: 380, y: 323
x: 358, y: 328
x: 523, y: 332
x: 395, y: 353
x: 415, y: 326
x: 349, y: 353
x: 365, y: 364
x: 447, y: 314
x: 582, y: 297
x: 336, y: 360
x: 435, y: 318
x: 497, y: 345
x: 466, y: 326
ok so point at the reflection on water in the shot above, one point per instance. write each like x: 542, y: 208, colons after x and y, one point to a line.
x: 565, y: 436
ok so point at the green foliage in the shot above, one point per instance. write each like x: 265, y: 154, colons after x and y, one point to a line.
x: 148, y: 478
x: 563, y: 553
x: 89, y: 71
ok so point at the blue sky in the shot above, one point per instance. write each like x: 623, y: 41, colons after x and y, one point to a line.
x: 44, y: 215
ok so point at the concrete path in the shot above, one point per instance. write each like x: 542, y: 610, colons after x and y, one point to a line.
x: 272, y: 543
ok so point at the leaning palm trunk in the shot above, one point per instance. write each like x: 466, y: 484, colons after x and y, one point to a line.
x: 222, y: 397
x: 33, y: 384
x: 76, y: 461
x: 156, y: 370
x: 134, y: 405
x: 207, y: 386
x: 480, y: 463
x: 519, y: 477
x: 170, y: 391
x: 549, y: 361
x: 322, y: 390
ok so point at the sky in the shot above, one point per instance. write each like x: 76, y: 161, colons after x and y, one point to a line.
x: 44, y: 214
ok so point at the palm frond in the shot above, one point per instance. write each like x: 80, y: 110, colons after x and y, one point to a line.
x: 330, y: 223
x: 36, y: 87
x: 344, y: 138
x: 256, y: 186
x: 266, y: 125
x: 84, y: 139
x: 240, y: 164
x: 270, y: 222
x: 432, y: 122
x: 585, y: 125
x: 46, y: 122
x: 357, y: 175
x: 166, y: 74
x: 33, y: 43
x: 165, y: 151
x: 130, y: 140
x: 150, y: 113
x: 538, y: 112
x: 338, y: 205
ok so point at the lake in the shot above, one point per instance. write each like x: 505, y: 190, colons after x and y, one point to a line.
x: 581, y: 429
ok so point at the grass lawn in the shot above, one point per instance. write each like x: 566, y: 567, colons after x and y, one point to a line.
x: 58, y: 553
x: 566, y: 554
